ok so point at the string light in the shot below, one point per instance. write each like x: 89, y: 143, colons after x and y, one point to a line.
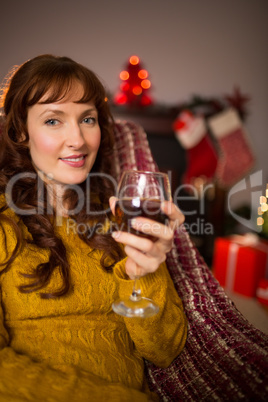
x: 146, y: 100
x: 146, y: 84
x: 260, y: 221
x: 137, y: 90
x: 124, y: 86
x: 121, y: 99
x: 134, y: 60
x: 142, y: 74
x: 124, y: 75
x: 263, y: 208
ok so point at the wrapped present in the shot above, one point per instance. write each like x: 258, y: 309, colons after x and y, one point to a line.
x: 262, y: 292
x: 240, y: 262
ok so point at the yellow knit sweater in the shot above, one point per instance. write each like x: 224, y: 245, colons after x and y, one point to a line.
x: 75, y: 348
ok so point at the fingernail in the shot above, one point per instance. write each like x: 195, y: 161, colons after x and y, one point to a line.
x: 167, y: 205
x: 115, y: 235
x: 133, y: 222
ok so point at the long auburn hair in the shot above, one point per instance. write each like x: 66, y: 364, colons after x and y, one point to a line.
x: 54, y: 77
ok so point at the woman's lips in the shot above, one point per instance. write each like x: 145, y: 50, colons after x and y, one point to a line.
x: 74, y: 161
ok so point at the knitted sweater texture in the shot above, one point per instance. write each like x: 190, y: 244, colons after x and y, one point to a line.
x: 75, y: 347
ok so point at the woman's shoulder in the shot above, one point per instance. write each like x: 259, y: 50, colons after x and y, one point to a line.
x: 2, y: 200
x: 3, y: 205
x: 8, y: 219
x: 8, y: 229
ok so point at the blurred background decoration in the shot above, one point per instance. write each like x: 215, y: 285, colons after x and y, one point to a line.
x: 135, y: 85
x: 262, y: 219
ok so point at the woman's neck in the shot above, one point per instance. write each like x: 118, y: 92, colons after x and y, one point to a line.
x: 56, y: 198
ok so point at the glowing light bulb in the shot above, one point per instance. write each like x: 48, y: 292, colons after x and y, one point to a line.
x: 260, y: 221
x: 146, y: 84
x: 137, y: 90
x: 134, y: 60
x: 120, y: 99
x: 142, y: 74
x: 124, y: 86
x: 264, y: 207
x: 146, y: 100
x: 124, y: 75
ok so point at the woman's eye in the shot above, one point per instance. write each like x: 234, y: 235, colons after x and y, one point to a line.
x: 51, y: 122
x: 89, y: 120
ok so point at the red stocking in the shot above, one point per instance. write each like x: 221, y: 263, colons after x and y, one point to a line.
x: 192, y: 134
x: 236, y: 157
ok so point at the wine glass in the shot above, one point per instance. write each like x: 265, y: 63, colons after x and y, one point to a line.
x: 140, y: 193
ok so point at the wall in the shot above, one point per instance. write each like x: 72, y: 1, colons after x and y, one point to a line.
x: 189, y: 47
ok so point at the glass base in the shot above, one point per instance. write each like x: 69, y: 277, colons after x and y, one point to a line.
x: 141, y: 308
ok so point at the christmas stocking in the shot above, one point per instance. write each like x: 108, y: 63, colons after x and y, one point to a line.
x: 192, y: 134
x: 236, y: 157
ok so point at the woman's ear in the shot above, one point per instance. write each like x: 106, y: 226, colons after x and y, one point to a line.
x: 23, y: 139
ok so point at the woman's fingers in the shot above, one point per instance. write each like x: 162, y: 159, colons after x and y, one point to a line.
x: 112, y: 202
x: 153, y: 228
x: 176, y: 217
x: 137, y: 242
x: 145, y: 254
x: 146, y: 263
x: 162, y: 234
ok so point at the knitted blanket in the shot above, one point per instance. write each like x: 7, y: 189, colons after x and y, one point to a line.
x: 225, y: 357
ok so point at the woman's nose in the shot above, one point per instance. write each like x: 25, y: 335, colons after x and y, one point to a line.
x: 75, y: 137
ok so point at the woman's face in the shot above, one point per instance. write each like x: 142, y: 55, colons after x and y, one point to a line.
x: 64, y: 138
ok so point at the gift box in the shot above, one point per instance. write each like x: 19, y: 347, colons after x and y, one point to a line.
x: 240, y: 262
x: 262, y: 292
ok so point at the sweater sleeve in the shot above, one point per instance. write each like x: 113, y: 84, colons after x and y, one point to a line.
x: 162, y: 337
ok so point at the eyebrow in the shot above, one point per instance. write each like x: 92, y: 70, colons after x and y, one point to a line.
x: 61, y: 112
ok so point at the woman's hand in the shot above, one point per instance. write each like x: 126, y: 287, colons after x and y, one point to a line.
x: 145, y: 255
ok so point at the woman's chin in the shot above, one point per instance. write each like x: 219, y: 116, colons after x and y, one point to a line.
x: 69, y: 181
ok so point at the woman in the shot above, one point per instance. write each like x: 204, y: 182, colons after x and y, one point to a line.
x: 60, y: 339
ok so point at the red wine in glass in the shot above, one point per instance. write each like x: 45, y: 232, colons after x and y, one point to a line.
x: 140, y: 194
x: 129, y: 208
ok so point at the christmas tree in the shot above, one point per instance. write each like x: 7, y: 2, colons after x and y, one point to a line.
x: 135, y: 85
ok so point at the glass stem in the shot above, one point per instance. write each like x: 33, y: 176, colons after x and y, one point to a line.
x: 136, y: 291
